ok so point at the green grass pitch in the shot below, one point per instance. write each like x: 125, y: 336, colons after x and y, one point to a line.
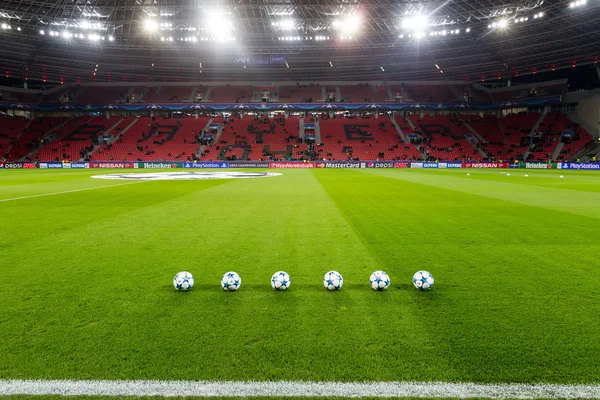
x: 86, y: 292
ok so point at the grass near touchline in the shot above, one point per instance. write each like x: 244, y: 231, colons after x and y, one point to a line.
x: 85, y: 277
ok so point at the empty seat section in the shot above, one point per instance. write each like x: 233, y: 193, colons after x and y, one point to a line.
x: 231, y: 94
x: 363, y: 138
x: 300, y: 94
x: 444, y: 137
x: 364, y: 93
x: 168, y: 94
x: 156, y: 139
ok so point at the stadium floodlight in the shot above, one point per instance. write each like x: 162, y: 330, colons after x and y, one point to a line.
x: 349, y: 24
x: 94, y: 37
x: 468, y: 30
x: 42, y: 32
x: 415, y: 23
x: 503, y: 23
x: 286, y: 24
x: 382, y: 69
x: 66, y: 35
x: 218, y: 24
x: 111, y: 38
x: 150, y: 25
x: 19, y: 28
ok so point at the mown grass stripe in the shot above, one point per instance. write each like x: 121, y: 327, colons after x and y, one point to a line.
x: 304, y: 389
x: 65, y: 191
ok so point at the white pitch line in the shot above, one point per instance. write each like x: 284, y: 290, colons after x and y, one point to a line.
x: 303, y: 389
x: 66, y: 191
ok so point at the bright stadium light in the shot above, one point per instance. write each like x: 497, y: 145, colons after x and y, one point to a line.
x: 150, y: 25
x: 218, y: 24
x: 503, y: 23
x: 348, y: 24
x: 415, y: 23
x: 42, y: 32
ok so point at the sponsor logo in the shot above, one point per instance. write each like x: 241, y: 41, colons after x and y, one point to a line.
x: 247, y: 165
x: 54, y: 165
x: 29, y: 165
x: 112, y: 165
x: 585, y: 166
x: 180, y: 176
x: 416, y: 165
x: 13, y: 165
x: 80, y: 165
x: 206, y: 165
x: 485, y: 165
x: 292, y: 165
x: 43, y: 165
x: 159, y: 165
x: 339, y: 165
x: 380, y: 164
x: 538, y: 165
x: 454, y: 165
x: 430, y: 165
x: 66, y: 165
x: 1, y: 165
x: 401, y: 165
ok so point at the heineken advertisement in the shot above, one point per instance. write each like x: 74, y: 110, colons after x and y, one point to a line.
x: 160, y: 165
x: 537, y: 165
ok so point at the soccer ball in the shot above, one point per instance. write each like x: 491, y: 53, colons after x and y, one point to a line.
x: 379, y: 280
x: 280, y: 280
x: 183, y: 281
x: 231, y: 281
x: 333, y: 280
x: 423, y: 280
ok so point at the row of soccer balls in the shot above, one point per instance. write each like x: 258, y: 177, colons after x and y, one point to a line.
x: 280, y: 280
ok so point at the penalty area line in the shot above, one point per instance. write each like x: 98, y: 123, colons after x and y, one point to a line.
x: 299, y: 389
x: 66, y: 191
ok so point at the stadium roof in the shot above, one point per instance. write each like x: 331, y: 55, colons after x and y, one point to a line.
x: 267, y: 40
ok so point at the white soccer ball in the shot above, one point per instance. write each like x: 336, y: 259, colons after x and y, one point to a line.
x: 423, y: 280
x: 183, y: 281
x: 231, y: 281
x: 333, y: 280
x: 379, y: 280
x: 561, y: 177
x: 507, y: 174
x: 280, y: 280
x: 526, y: 175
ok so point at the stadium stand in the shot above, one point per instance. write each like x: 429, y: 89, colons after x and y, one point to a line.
x: 364, y: 93
x: 506, y: 94
x: 231, y: 94
x: 517, y: 129
x: 11, y: 129
x: 103, y: 94
x: 362, y: 138
x: 20, y: 97
x: 155, y: 139
x: 258, y: 138
x: 497, y: 146
x: 300, y: 93
x: 167, y: 94
x: 76, y: 138
x: 554, y: 129
x: 445, y: 138
x: 433, y: 93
